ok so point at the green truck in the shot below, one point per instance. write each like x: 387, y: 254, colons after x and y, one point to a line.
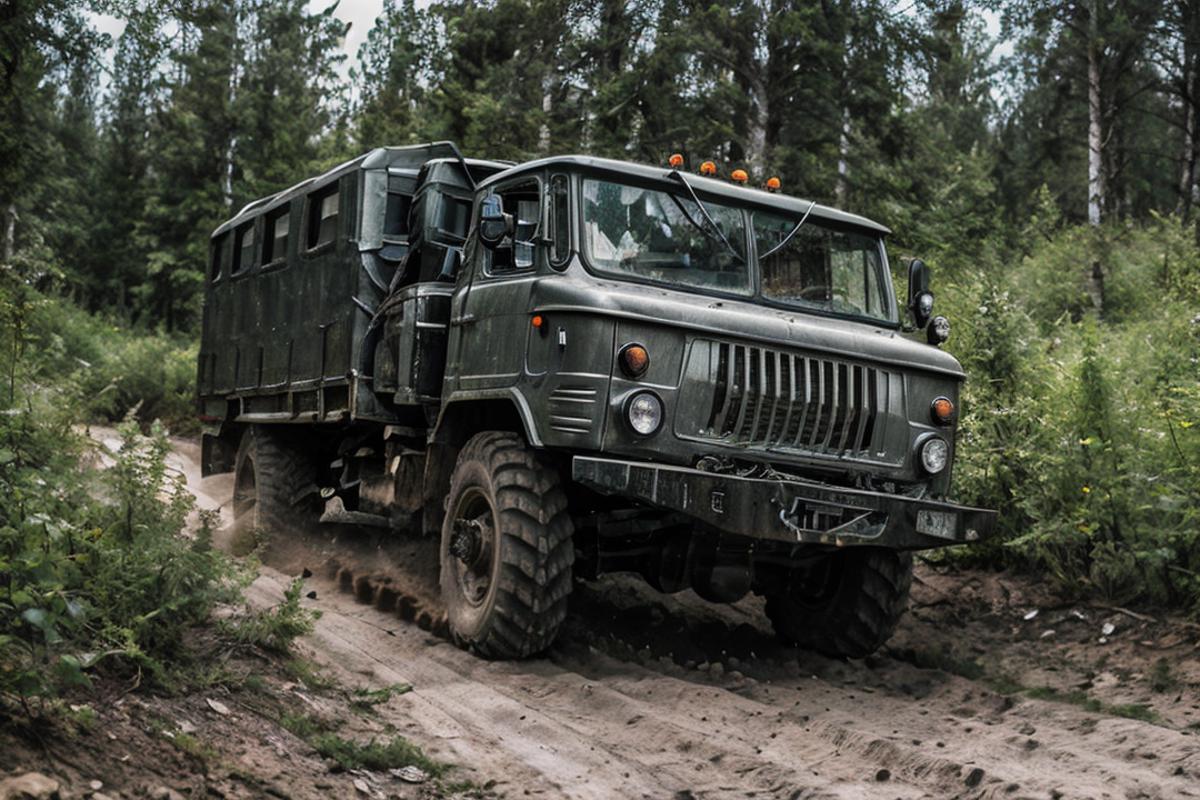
x: 576, y: 366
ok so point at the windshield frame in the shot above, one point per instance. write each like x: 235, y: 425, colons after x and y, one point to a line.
x: 746, y: 209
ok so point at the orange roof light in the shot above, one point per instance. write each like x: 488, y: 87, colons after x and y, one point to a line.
x: 773, y: 184
x: 708, y: 168
x: 676, y: 160
x: 739, y: 176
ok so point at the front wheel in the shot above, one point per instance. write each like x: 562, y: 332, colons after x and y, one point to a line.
x: 848, y: 605
x: 506, y: 550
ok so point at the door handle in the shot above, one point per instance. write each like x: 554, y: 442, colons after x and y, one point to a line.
x: 465, y: 319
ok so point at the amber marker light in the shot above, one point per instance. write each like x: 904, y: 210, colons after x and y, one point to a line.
x: 538, y: 321
x: 739, y: 176
x: 942, y: 410
x: 708, y: 168
x: 676, y: 160
x: 773, y: 184
x: 634, y: 360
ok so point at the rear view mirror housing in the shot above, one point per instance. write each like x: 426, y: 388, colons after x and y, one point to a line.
x: 920, y: 298
x: 494, y: 224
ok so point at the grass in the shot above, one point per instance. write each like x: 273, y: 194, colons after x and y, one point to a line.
x: 392, y: 753
x: 306, y: 672
x: 1161, y: 677
x: 1138, y: 711
x: 366, y: 699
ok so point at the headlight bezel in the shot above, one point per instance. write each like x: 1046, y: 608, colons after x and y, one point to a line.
x: 627, y: 411
x: 926, y: 446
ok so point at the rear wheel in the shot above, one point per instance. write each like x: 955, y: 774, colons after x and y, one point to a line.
x: 274, y: 483
x: 847, y: 605
x: 506, y: 549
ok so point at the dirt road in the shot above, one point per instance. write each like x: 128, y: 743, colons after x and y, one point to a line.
x: 654, y: 696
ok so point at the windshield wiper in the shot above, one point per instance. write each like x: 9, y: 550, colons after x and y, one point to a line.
x: 783, y: 242
x: 716, y: 228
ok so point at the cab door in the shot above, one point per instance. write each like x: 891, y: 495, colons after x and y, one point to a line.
x: 489, y: 318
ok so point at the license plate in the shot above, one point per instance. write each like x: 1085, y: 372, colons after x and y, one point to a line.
x: 942, y: 524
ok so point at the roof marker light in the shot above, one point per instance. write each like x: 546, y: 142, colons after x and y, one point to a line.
x: 708, y: 168
x: 774, y: 184
x: 675, y: 161
x: 739, y: 176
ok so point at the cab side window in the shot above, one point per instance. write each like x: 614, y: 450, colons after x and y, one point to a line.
x: 216, y: 263
x: 517, y: 252
x: 560, y: 225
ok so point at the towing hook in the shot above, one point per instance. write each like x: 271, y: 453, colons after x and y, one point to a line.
x: 465, y: 539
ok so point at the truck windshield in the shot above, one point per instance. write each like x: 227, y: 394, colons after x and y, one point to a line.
x: 664, y: 237
x: 822, y: 268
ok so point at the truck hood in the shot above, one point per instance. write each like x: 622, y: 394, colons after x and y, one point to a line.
x: 741, y: 319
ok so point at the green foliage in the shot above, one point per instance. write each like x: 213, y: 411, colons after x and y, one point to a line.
x: 95, y: 567
x: 275, y: 629
x: 394, y: 753
x: 1081, y: 424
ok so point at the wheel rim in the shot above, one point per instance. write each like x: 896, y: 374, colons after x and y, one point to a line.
x: 472, y: 545
x: 245, y: 493
x: 820, y: 585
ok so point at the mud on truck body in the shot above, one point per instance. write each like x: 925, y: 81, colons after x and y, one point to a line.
x: 577, y: 366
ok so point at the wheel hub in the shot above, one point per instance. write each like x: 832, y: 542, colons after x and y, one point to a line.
x: 465, y: 540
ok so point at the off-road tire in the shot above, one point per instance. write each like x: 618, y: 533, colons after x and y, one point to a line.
x: 856, y: 613
x: 525, y: 601
x: 284, y: 483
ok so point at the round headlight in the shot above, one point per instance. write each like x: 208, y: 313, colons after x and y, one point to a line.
x: 935, y: 454
x: 644, y: 412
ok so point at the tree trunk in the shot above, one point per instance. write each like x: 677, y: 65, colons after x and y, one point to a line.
x: 1095, y: 122
x: 10, y: 232
x: 843, y: 166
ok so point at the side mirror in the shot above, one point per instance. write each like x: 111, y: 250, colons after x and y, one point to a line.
x: 920, y: 299
x: 494, y: 224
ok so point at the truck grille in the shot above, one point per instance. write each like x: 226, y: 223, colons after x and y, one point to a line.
x: 769, y: 398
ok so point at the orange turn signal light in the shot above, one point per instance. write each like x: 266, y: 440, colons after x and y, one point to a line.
x: 773, y: 184
x: 739, y: 176
x: 634, y: 360
x: 538, y: 321
x: 942, y: 410
x: 708, y: 168
x: 676, y: 160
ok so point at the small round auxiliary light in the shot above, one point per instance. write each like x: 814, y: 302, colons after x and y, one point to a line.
x: 676, y: 160
x: 942, y: 410
x: 644, y: 413
x: 634, y: 360
x: 739, y: 176
x: 538, y: 321
x: 774, y: 184
x: 708, y: 168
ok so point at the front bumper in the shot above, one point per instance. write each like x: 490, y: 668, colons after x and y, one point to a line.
x: 789, y: 509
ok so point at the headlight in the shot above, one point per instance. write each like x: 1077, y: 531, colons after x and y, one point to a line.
x: 935, y: 454
x: 644, y: 413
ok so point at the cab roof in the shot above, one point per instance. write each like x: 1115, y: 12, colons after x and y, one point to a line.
x: 711, y: 187
x: 412, y: 157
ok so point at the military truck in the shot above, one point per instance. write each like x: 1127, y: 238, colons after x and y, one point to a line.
x: 577, y: 366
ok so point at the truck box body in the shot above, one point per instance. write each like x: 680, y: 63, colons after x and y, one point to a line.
x: 295, y: 282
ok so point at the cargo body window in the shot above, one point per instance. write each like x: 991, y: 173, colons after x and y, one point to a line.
x: 516, y: 252
x: 395, y: 219
x: 217, y: 258
x: 243, y: 251
x: 322, y: 217
x: 456, y: 214
x: 276, y: 239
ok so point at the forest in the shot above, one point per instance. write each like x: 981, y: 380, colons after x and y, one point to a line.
x: 1041, y: 157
